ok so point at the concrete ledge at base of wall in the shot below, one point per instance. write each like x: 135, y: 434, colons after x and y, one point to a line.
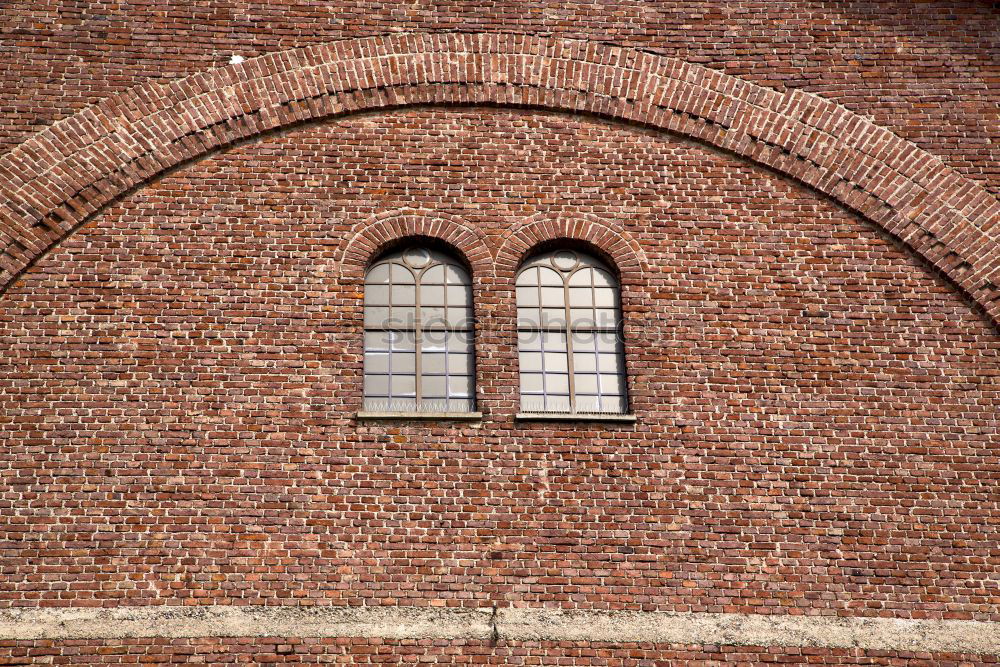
x: 249, y: 621
x: 508, y: 624
x: 889, y: 634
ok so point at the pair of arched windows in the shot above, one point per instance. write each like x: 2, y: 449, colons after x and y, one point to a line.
x: 419, y: 335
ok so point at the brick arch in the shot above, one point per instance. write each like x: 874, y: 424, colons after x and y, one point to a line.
x: 610, y: 238
x: 369, y: 237
x: 57, y: 179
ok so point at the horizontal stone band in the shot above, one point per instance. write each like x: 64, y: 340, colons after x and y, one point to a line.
x: 510, y: 624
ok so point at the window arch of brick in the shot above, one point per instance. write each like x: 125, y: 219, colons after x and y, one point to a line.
x: 371, y: 240
x: 592, y: 234
x: 61, y: 177
x: 372, y: 237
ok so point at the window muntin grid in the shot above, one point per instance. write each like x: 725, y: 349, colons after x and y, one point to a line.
x: 569, y: 336
x: 418, y: 334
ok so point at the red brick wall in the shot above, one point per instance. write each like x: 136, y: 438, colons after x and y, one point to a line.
x: 926, y: 70
x: 374, y: 652
x: 817, y: 408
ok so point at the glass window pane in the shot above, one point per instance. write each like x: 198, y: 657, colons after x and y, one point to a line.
x: 583, y: 340
x: 377, y: 295
x: 434, y: 386
x: 403, y: 362
x: 432, y: 363
x: 604, y: 297
x: 527, y: 277
x: 403, y: 385
x: 581, y: 317
x: 432, y: 295
x: 459, y: 295
x: 554, y: 317
x: 531, y: 361
x: 565, y: 260
x: 603, y: 279
x: 378, y: 275
x: 376, y: 385
x: 606, y: 318
x: 611, y: 384
x: 433, y: 315
x: 459, y: 385
x: 549, y: 277
x: 455, y: 275
x: 529, y: 340
x: 527, y: 296
x: 403, y: 295
x: 607, y: 342
x: 375, y: 403
x: 582, y: 278
x: 459, y: 317
x: 584, y: 362
x: 556, y: 383
x: 461, y: 404
x: 376, y: 316
x: 434, y: 341
x: 588, y: 403
x: 402, y: 317
x: 531, y: 383
x: 585, y: 383
x: 402, y: 340
x: 615, y: 404
x: 460, y: 364
x: 376, y: 362
x: 417, y: 257
x: 398, y: 404
x: 553, y: 297
x: 432, y: 276
x: 552, y: 340
x: 400, y: 275
x: 609, y: 363
x: 555, y: 361
x: 557, y: 404
x: 532, y: 403
x: 377, y: 340
x: 459, y: 341
x: 528, y: 317
x: 581, y: 297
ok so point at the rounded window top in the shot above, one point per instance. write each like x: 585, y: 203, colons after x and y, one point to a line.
x: 565, y: 260
x: 417, y: 263
x: 566, y: 267
x: 416, y: 258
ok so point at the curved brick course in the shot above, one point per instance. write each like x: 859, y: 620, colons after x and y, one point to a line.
x: 612, y: 239
x: 369, y: 237
x: 51, y: 183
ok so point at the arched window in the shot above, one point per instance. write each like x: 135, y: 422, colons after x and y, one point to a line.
x: 418, y: 334
x: 569, y: 336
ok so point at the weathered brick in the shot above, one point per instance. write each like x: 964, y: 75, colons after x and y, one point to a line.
x: 817, y: 402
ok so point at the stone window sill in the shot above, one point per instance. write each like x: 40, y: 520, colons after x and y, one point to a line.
x: 574, y: 416
x: 422, y: 416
